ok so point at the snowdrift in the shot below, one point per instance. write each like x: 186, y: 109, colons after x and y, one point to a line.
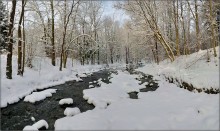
x: 192, y: 69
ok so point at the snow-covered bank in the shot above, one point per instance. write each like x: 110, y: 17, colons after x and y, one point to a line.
x: 167, y: 108
x: 193, y: 69
x: 41, y: 76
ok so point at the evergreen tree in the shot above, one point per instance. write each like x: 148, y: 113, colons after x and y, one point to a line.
x: 3, y: 26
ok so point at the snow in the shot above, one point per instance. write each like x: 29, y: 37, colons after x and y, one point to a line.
x: 32, y: 118
x: 192, y: 69
x: 121, y: 85
x: 37, y: 125
x: 42, y: 75
x: 167, y: 108
x: 91, y: 86
x: 38, y: 96
x: 30, y: 128
x: 66, y: 101
x: 71, y: 111
x: 40, y: 124
x: 82, y: 75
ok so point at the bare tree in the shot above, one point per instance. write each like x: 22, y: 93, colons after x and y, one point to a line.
x: 10, y: 41
x: 65, y: 22
x: 20, y: 40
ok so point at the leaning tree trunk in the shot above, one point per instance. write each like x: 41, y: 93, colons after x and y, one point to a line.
x: 10, y: 41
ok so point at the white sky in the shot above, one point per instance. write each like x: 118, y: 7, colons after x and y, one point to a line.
x: 118, y: 15
x: 109, y: 10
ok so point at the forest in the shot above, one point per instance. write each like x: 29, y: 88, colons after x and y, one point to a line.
x: 46, y: 44
x: 155, y: 30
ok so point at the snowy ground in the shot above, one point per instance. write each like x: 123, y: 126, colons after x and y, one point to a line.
x: 192, y: 69
x: 42, y: 75
x: 167, y: 108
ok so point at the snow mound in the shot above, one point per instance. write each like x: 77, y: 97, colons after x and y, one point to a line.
x: 36, y: 126
x: 32, y: 118
x: 30, y: 128
x: 121, y: 85
x: 40, y: 124
x: 91, y: 86
x: 71, y: 111
x: 66, y: 101
x: 82, y: 75
x: 38, y: 96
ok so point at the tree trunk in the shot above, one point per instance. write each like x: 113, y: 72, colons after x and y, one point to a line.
x: 154, y: 27
x: 53, y: 58
x: 197, y: 27
x: 66, y: 20
x: 64, y: 59
x: 23, y: 60
x: 184, y: 30
x: 10, y: 42
x: 62, y: 50
x: 156, y: 48
x: 20, y: 41
x: 175, y: 10
x: 188, y: 31
x: 98, y: 55
x: 126, y: 55
x: 218, y: 24
x: 212, y: 27
x: 64, y: 38
x: 111, y: 55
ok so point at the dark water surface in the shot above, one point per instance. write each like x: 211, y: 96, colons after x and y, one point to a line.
x: 18, y: 115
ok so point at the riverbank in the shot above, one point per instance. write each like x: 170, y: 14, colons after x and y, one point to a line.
x: 19, y: 115
x: 192, y: 69
x: 43, y: 75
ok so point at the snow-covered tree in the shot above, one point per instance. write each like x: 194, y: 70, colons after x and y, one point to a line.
x: 3, y: 26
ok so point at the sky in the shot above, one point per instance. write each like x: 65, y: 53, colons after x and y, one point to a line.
x: 109, y: 10
x: 118, y: 15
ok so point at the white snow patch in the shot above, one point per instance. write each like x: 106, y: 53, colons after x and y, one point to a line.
x: 91, y: 86
x: 38, y: 96
x: 32, y: 118
x: 121, y: 85
x: 71, y: 111
x: 40, y: 124
x: 30, y: 128
x: 36, y: 126
x: 66, y: 101
x: 82, y: 75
